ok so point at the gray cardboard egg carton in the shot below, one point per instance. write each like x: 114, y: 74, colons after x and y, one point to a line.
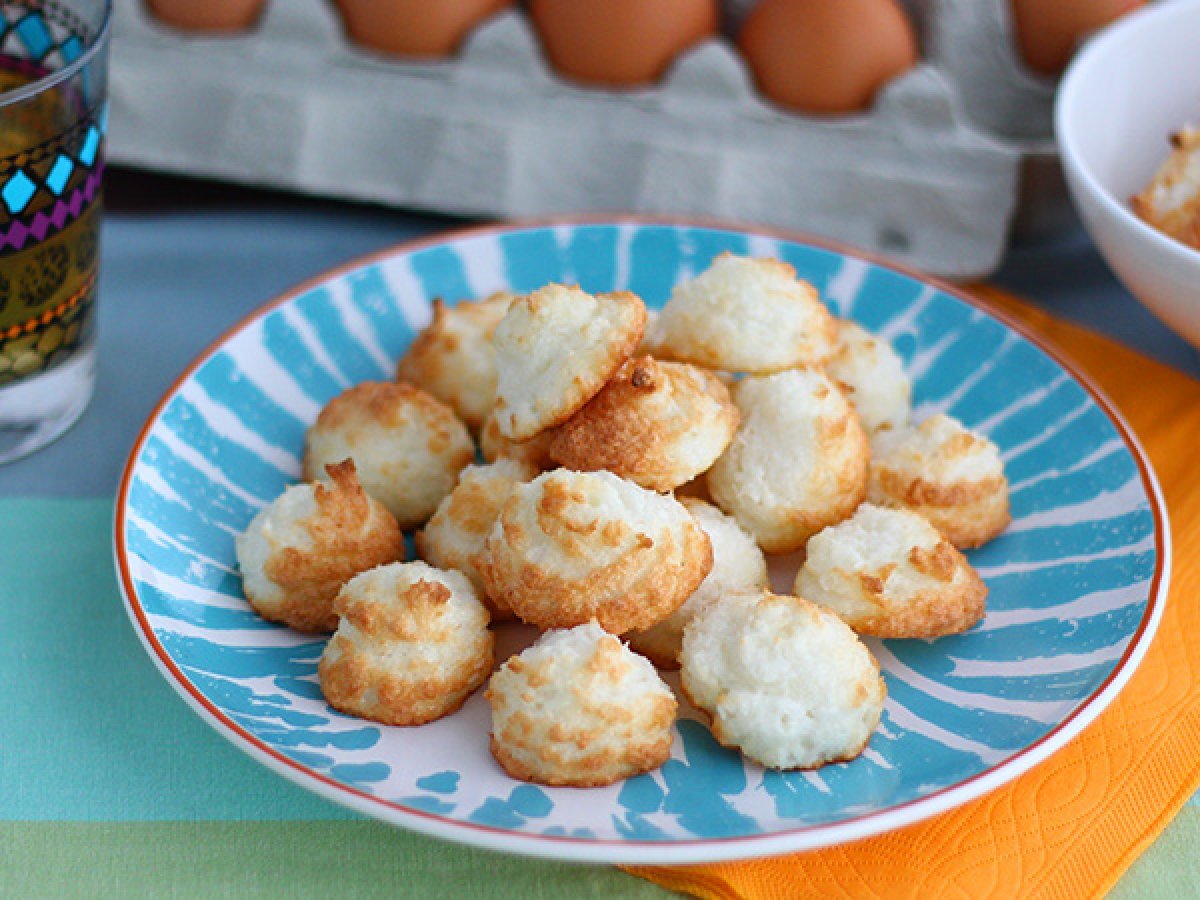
x: 973, y: 44
x: 929, y: 176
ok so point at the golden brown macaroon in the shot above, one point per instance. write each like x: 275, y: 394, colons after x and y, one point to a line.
x: 650, y: 336
x: 797, y: 463
x: 535, y: 451
x: 555, y: 349
x: 783, y: 680
x: 659, y: 424
x: 738, y: 565
x: 298, y: 552
x: 889, y: 573
x: 411, y: 645
x: 570, y: 547
x: 871, y: 374
x: 579, y: 708
x: 946, y: 473
x: 455, y: 535
x: 1171, y: 201
x: 453, y: 357
x: 408, y: 446
x: 746, y: 315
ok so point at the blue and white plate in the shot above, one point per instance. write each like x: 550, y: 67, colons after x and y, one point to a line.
x: 1077, y: 581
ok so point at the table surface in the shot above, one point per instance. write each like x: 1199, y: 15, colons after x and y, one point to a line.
x: 109, y: 765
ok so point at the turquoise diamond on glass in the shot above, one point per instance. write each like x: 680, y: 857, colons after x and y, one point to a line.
x: 91, y: 143
x: 71, y: 48
x: 34, y: 35
x: 17, y: 192
x: 60, y: 174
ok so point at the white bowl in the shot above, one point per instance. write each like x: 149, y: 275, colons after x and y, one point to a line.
x: 1128, y: 89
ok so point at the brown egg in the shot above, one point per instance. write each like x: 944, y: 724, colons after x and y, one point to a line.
x: 620, y: 42
x: 421, y: 28
x: 827, y: 56
x: 1048, y: 31
x: 208, y: 15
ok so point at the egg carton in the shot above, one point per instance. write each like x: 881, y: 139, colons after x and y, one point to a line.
x: 974, y: 45
x: 924, y: 177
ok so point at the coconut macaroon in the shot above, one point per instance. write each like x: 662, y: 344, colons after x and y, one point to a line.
x: 872, y: 376
x: 408, y: 446
x: 738, y: 565
x: 659, y: 424
x: 555, y: 349
x: 455, y: 534
x: 746, y: 315
x: 783, y: 680
x: 797, y: 463
x: 947, y: 473
x: 1171, y: 201
x: 579, y: 708
x: 570, y: 547
x: 889, y: 573
x: 411, y: 646
x: 453, y: 358
x: 650, y: 335
x: 298, y: 552
x: 535, y: 451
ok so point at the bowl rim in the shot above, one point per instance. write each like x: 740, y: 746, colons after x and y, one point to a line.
x: 1092, y: 55
x: 625, y: 851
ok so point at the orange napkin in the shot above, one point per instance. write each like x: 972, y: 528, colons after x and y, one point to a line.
x: 1071, y: 826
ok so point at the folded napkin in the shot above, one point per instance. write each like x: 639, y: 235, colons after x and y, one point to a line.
x: 1072, y: 825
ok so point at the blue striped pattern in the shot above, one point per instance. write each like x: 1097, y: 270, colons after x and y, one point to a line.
x: 1069, y: 580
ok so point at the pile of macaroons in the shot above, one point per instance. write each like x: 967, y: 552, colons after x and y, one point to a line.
x: 636, y: 473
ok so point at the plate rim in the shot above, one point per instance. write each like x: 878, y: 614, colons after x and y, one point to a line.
x: 633, y: 851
